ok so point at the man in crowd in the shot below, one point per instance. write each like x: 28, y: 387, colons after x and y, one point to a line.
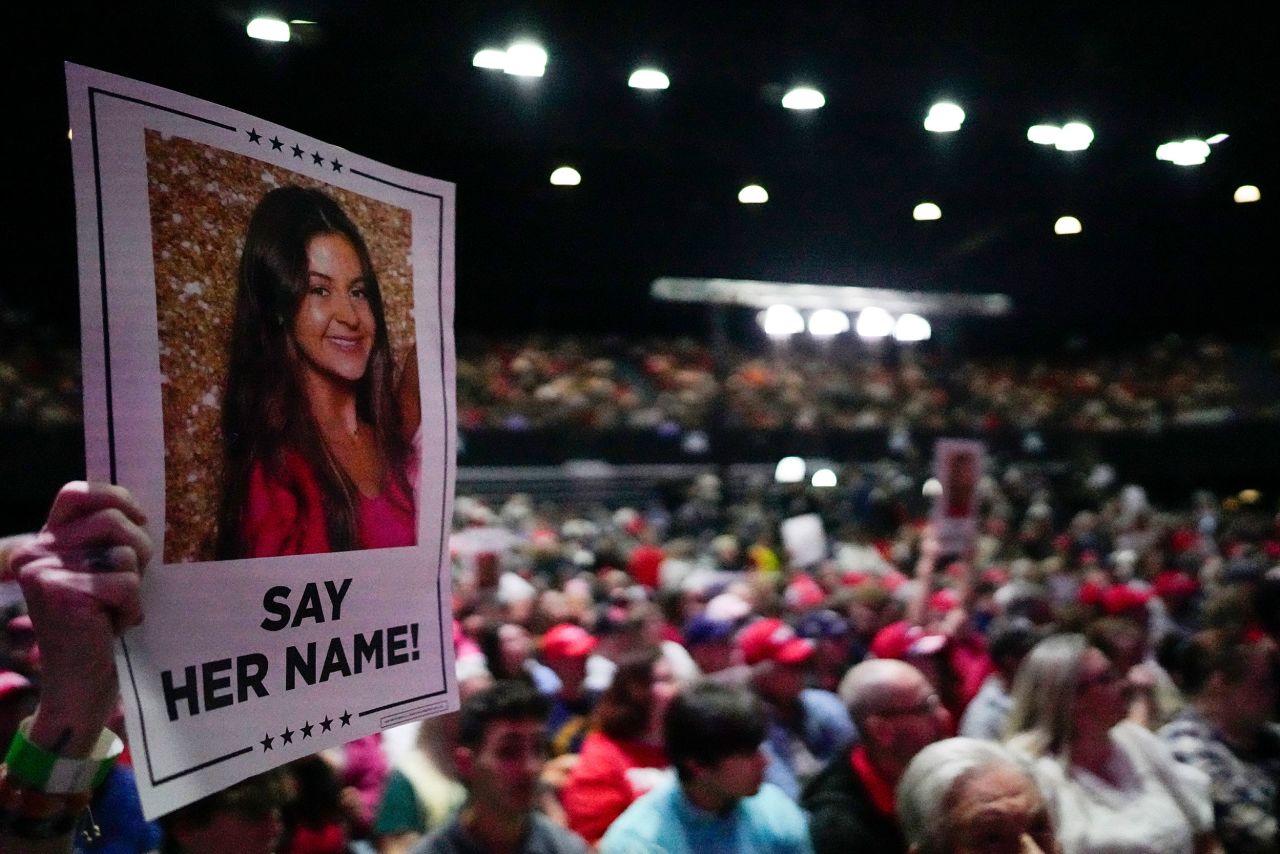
x: 502, y: 751
x: 565, y: 650
x: 897, y: 713
x: 1228, y: 732
x: 806, y: 726
x: 1009, y: 642
x: 720, y: 803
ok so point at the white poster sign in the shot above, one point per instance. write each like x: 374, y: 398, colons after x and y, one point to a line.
x: 957, y: 464
x: 804, y: 539
x: 267, y: 325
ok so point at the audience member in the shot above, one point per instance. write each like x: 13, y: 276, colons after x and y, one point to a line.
x: 720, y: 802
x: 1111, y: 784
x: 501, y: 751
x: 969, y: 796
x: 897, y: 713
x: 807, y: 726
x: 1228, y: 731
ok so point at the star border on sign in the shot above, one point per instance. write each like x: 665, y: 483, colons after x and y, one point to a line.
x: 267, y: 743
x: 287, y: 736
x: 337, y: 167
x: 297, y: 151
x: 326, y: 724
x: 255, y: 137
x: 306, y: 729
x: 316, y: 158
x: 345, y: 717
x: 276, y: 144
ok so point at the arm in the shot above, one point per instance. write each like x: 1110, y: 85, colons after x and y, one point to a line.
x: 80, y: 576
x: 918, y: 607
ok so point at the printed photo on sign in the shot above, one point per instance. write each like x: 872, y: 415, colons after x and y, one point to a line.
x: 957, y: 464
x: 269, y: 368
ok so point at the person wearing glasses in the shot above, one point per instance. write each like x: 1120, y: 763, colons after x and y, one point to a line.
x: 1111, y: 785
x: 897, y: 714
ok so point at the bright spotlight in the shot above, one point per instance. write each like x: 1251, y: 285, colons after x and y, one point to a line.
x: 874, y: 322
x: 1187, y: 152
x: 268, y: 30
x: 926, y: 211
x: 1246, y: 194
x: 490, y: 58
x: 1074, y: 136
x: 781, y: 321
x: 566, y: 176
x: 648, y: 78
x: 753, y: 194
x: 789, y: 470
x: 912, y: 327
x: 1067, y: 225
x: 525, y: 59
x: 803, y: 98
x: 1217, y: 138
x: 823, y: 479
x: 1044, y: 134
x: 944, y: 117
x: 828, y: 322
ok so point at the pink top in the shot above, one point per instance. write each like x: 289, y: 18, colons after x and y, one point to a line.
x: 285, y: 514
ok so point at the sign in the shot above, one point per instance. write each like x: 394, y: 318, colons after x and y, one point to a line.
x: 269, y: 368
x: 957, y: 464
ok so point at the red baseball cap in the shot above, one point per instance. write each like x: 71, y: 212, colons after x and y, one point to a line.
x: 773, y: 640
x: 902, y: 639
x: 1121, y: 598
x: 567, y: 640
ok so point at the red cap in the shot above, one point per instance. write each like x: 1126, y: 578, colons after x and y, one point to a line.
x: 853, y: 578
x: 1121, y: 598
x: 1091, y: 593
x: 944, y: 600
x: 804, y: 592
x: 1172, y: 584
x: 568, y: 641
x: 773, y: 640
x: 902, y: 639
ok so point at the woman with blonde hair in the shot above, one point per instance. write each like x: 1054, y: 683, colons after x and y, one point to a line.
x: 1111, y: 785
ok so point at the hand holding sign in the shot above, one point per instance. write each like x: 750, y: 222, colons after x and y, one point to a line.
x: 80, y: 576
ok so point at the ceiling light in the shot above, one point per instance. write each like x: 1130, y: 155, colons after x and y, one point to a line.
x: 874, y: 322
x: 789, y: 470
x: 268, y: 30
x: 1187, y: 152
x: 781, y: 321
x: 1067, y: 225
x: 525, y: 59
x: 648, y: 78
x: 823, y: 479
x: 912, y: 327
x: 932, y: 488
x: 944, y: 117
x: 1044, y: 134
x: 1074, y: 136
x: 1217, y: 138
x: 753, y: 194
x: 1246, y: 194
x: 828, y: 322
x: 566, y: 176
x: 803, y: 98
x: 926, y: 211
x: 490, y: 58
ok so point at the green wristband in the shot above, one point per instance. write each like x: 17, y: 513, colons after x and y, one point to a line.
x: 34, y: 767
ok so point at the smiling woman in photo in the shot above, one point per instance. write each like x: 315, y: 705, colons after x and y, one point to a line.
x: 318, y: 450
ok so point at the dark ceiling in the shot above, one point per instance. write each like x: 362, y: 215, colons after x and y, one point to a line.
x: 1163, y: 247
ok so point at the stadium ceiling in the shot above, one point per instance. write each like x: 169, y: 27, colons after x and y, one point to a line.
x: 659, y: 171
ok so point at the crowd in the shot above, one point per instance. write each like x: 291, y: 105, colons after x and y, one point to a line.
x: 842, y: 385
x: 1094, y: 674
x: 39, y: 375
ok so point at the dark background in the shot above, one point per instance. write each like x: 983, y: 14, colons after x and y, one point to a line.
x: 1164, y: 248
